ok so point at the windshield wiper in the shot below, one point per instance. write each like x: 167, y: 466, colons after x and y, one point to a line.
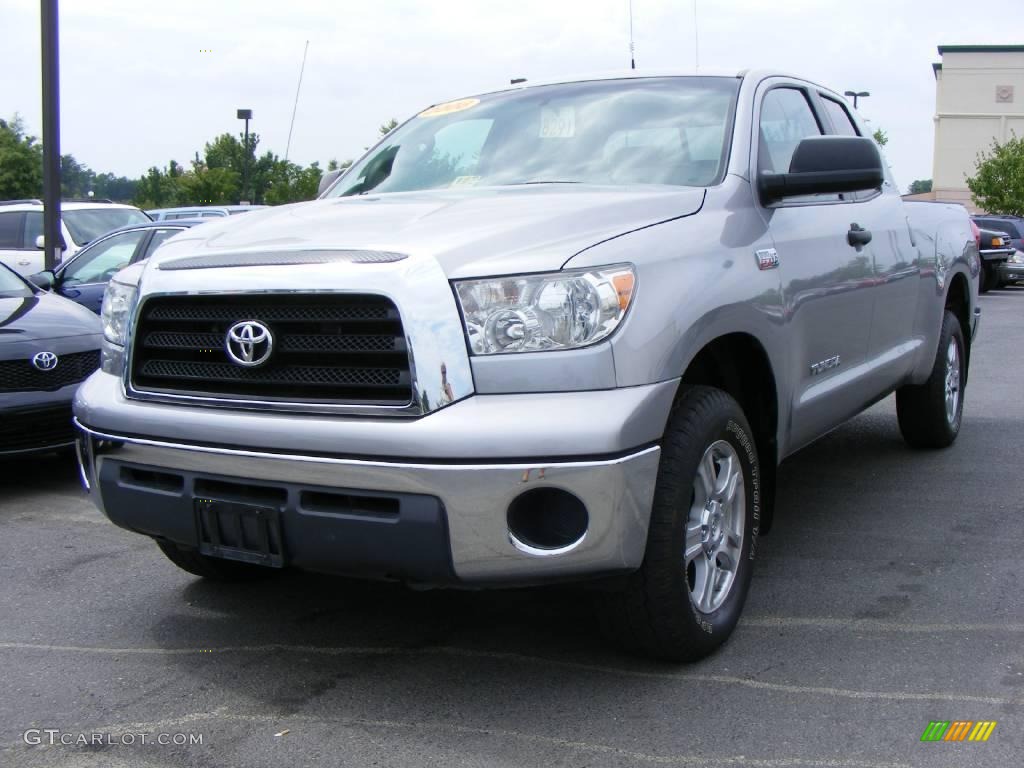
x: 541, y: 181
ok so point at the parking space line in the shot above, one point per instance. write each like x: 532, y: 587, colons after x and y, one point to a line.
x: 874, y: 625
x: 292, y: 721
x: 684, y: 677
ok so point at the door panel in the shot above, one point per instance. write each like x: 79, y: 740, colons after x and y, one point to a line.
x: 827, y: 284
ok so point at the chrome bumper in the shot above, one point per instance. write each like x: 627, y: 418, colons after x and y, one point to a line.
x: 617, y: 493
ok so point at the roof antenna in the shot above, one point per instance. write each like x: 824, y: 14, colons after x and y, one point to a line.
x: 696, y: 40
x: 632, y: 48
x: 298, y: 88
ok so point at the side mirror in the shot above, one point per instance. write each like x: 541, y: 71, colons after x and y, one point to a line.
x: 40, y: 242
x: 327, y: 179
x: 44, y: 279
x: 826, y: 165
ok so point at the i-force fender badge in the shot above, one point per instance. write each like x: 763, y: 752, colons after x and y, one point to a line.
x: 767, y: 258
x: 825, y: 365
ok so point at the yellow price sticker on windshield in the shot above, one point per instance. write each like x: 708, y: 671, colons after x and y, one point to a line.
x: 450, y: 107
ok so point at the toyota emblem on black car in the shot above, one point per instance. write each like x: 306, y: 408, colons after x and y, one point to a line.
x: 249, y: 343
x: 45, y: 361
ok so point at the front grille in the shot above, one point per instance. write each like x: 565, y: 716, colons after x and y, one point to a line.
x: 29, y: 429
x: 342, y: 348
x: 22, y: 376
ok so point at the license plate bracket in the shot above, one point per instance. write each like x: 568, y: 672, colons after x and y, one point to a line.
x: 231, y: 530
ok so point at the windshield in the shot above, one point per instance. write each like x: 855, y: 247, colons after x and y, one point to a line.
x: 12, y: 286
x: 670, y: 130
x: 85, y: 225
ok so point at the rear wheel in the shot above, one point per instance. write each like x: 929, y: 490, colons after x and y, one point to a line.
x: 687, y: 597
x: 213, y: 568
x: 930, y: 414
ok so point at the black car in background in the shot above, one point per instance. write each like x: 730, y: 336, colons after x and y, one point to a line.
x: 84, y: 278
x: 995, y: 250
x: 1013, y: 226
x: 48, y: 345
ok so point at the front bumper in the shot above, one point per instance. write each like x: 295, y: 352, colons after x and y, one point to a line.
x: 1010, y: 272
x: 36, y: 422
x: 450, y: 513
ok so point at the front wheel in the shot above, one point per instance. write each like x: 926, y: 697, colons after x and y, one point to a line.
x: 687, y: 597
x: 930, y: 414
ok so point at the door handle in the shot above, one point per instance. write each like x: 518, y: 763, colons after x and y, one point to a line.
x: 858, y: 237
x: 24, y: 263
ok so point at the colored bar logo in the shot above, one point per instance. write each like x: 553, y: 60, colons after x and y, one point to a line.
x: 958, y: 730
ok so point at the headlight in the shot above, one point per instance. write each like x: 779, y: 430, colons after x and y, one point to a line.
x: 1018, y: 257
x: 531, y: 313
x: 117, y: 306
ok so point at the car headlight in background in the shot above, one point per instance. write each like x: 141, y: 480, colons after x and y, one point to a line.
x: 117, y: 306
x: 533, y: 313
x: 1018, y: 257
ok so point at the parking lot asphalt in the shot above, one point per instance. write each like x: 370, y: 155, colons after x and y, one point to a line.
x: 890, y: 593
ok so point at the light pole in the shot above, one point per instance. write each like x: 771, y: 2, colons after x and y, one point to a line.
x: 52, y: 242
x: 856, y: 95
x: 245, y: 114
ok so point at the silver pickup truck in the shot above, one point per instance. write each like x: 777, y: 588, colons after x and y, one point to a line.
x: 559, y: 332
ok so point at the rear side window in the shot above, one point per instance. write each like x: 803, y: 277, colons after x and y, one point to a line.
x: 842, y: 123
x: 158, y: 237
x: 33, y: 228
x: 10, y: 230
x: 786, y: 119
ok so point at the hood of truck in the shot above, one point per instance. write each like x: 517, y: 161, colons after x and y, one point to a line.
x: 470, y: 233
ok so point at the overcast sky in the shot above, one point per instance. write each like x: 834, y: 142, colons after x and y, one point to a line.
x: 139, y: 87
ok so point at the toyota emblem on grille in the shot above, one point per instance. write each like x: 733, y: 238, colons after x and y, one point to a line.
x: 44, y: 361
x: 249, y: 343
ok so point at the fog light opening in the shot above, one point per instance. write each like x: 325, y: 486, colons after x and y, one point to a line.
x: 547, y: 521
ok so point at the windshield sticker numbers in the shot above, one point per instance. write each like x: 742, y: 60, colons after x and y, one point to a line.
x: 450, y: 107
x: 465, y: 181
x: 557, y: 122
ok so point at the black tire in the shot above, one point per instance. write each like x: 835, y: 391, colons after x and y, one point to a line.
x: 986, y: 279
x: 213, y: 568
x: 925, y: 419
x: 654, y: 611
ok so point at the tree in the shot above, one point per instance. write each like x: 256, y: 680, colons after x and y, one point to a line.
x: 920, y: 186
x: 388, y: 127
x: 209, y: 186
x: 880, y: 137
x: 997, y: 185
x: 21, y: 162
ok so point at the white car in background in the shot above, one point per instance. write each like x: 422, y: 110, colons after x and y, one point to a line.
x: 21, y: 229
x: 200, y: 212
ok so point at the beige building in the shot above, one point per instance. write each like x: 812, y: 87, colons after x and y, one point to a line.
x: 979, y: 97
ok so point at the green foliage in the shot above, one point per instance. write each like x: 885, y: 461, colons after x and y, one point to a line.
x: 388, y: 127
x: 209, y: 186
x: 920, y: 186
x: 997, y: 185
x: 21, y: 162
x: 881, y: 137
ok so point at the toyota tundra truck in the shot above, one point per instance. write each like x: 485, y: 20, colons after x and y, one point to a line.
x: 558, y: 332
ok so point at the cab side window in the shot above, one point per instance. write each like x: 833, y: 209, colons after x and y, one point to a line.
x: 786, y: 119
x: 842, y: 123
